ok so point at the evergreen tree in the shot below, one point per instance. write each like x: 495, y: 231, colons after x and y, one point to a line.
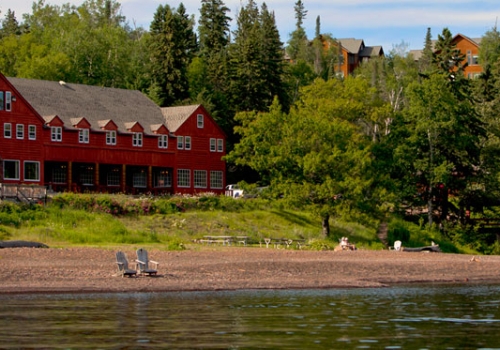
x: 447, y: 57
x: 171, y: 44
x: 210, y: 73
x: 427, y: 53
x: 298, y: 44
x: 272, y: 60
x: 248, y: 84
x: 10, y: 26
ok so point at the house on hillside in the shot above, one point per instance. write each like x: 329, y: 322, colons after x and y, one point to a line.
x: 73, y: 137
x: 467, y: 46
x: 354, y: 52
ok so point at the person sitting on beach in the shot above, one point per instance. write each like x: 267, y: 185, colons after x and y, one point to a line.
x: 345, y: 245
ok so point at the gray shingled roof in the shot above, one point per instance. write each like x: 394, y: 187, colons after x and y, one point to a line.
x: 352, y: 45
x: 371, y: 51
x: 176, y: 116
x: 97, y: 105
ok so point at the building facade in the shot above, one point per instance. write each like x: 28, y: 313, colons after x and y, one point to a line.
x: 73, y: 137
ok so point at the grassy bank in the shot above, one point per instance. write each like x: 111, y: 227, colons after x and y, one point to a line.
x: 176, y: 222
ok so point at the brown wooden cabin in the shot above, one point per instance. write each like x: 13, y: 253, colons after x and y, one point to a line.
x: 73, y: 137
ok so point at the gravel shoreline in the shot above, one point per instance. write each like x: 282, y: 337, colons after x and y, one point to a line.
x: 94, y: 270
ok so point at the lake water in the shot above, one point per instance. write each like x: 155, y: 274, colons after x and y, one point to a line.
x: 424, y: 317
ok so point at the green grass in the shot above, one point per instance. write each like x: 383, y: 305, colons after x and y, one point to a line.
x: 175, y: 222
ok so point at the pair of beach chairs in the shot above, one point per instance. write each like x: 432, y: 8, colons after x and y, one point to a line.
x: 142, y: 264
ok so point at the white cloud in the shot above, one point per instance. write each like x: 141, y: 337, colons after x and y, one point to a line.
x: 384, y: 22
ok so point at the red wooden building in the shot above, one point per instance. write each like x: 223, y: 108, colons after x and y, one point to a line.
x: 73, y: 137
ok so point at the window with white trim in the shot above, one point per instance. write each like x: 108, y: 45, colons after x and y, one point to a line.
x: 7, y: 130
x: 32, y: 132
x: 31, y: 171
x: 11, y: 170
x: 200, y: 121
x: 216, y: 179
x: 140, y: 179
x: 180, y: 142
x: 19, y: 131
x: 183, y: 178
x: 162, y: 178
x: 200, y: 179
x: 213, y: 145
x: 220, y: 145
x: 137, y: 139
x: 8, y: 101
x: 187, y: 142
x: 163, y: 141
x: 111, y: 137
x: 83, y: 135
x: 56, y: 133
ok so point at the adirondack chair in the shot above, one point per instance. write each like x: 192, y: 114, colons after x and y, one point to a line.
x: 122, y: 262
x: 143, y: 263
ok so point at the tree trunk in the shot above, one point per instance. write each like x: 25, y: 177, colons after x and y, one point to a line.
x: 325, y: 224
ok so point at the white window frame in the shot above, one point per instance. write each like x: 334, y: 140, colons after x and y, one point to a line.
x: 163, y: 141
x: 137, y: 139
x: 111, y: 137
x: 32, y: 132
x: 56, y: 134
x: 8, y: 101
x: 28, y: 163
x: 83, y: 135
x: 213, y: 145
x: 187, y: 143
x: 180, y: 142
x: 200, y: 179
x: 220, y: 145
x: 16, y: 169
x: 20, y: 131
x: 216, y: 179
x: 183, y: 178
x: 200, y: 122
x: 7, y: 130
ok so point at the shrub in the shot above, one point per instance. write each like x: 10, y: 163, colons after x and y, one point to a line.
x: 398, y: 231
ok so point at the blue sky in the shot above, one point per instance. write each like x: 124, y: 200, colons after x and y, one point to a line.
x: 386, y: 22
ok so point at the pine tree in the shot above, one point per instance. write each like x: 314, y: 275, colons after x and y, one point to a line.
x: 10, y: 26
x: 297, y: 45
x: 272, y: 60
x: 426, y: 59
x: 214, y: 34
x: 248, y: 84
x: 172, y: 44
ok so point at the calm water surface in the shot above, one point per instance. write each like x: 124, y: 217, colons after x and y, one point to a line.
x: 435, y: 317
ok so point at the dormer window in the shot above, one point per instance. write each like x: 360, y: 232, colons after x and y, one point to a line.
x: 137, y: 139
x: 83, y: 135
x: 111, y: 137
x: 56, y: 133
x: 200, y: 121
x: 163, y: 141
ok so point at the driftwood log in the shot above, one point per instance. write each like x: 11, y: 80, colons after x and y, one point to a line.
x: 22, y: 244
x: 430, y: 248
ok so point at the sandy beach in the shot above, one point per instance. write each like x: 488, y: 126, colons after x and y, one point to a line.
x: 94, y: 270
